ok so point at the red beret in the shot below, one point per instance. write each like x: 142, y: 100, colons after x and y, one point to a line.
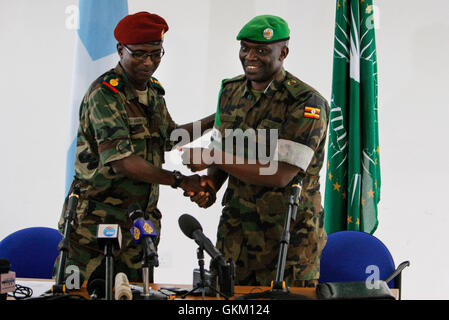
x: 140, y: 27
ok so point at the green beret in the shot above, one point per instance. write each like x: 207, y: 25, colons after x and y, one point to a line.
x: 265, y: 29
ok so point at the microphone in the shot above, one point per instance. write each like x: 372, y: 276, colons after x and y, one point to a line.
x: 122, y: 288
x: 143, y: 233
x: 70, y: 211
x: 96, y: 284
x: 109, y: 234
x: 96, y: 289
x: 192, y: 229
x: 63, y: 246
x: 7, y: 279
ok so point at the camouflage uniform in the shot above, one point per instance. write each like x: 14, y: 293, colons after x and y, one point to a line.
x: 252, y: 220
x: 113, y: 124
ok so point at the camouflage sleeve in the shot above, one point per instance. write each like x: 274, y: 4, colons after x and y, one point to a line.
x: 302, y: 132
x: 106, y: 116
x: 170, y: 126
x: 216, y: 137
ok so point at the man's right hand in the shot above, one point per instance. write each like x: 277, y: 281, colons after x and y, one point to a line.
x: 191, y: 184
x: 205, y: 198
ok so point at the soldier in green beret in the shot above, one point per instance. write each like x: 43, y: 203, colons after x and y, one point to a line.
x: 124, y: 130
x: 266, y: 98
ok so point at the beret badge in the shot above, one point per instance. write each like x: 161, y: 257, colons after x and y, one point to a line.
x: 268, y: 33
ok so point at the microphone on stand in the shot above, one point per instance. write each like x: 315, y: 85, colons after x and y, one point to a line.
x: 122, y: 288
x: 63, y: 247
x: 97, y: 282
x: 192, y: 229
x: 109, y: 236
x: 143, y: 232
x: 279, y: 289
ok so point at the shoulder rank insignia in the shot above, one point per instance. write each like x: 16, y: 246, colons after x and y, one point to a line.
x: 113, y: 83
x: 311, y: 112
x: 155, y: 81
x: 157, y: 85
x: 295, y: 87
x: 237, y: 78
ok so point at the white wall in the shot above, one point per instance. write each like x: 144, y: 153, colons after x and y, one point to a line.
x: 35, y: 87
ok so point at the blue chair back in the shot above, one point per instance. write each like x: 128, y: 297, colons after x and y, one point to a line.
x: 348, y: 254
x: 32, y: 251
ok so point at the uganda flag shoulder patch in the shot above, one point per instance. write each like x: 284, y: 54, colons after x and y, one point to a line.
x: 311, y: 112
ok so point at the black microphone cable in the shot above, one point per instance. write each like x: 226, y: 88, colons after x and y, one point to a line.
x: 21, y: 292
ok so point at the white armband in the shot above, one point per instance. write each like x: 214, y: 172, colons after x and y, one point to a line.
x: 294, y: 153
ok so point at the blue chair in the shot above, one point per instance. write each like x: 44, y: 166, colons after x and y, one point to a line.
x: 32, y: 251
x: 355, y: 256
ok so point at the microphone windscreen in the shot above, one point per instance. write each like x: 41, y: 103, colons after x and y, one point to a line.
x: 122, y: 288
x: 76, y: 191
x: 188, y: 225
x: 134, y: 211
x: 4, y: 265
x: 97, y: 286
x: 97, y: 277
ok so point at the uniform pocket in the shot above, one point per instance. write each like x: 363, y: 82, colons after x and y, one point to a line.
x: 267, y: 138
x: 227, y: 117
x: 271, y: 208
x: 269, y: 124
x: 138, y: 127
x: 139, y: 133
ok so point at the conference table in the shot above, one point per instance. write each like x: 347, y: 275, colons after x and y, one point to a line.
x: 308, y: 293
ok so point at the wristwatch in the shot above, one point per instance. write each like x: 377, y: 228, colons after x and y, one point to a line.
x: 178, y: 179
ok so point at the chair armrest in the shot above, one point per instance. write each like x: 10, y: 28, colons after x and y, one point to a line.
x: 398, y: 270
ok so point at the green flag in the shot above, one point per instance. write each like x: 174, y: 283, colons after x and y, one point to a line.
x: 353, y: 167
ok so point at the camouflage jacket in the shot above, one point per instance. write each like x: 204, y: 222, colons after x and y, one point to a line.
x: 113, y: 124
x: 253, y: 216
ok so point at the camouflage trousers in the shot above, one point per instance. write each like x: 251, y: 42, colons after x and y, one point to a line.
x: 252, y: 241
x: 293, y: 274
x: 262, y: 278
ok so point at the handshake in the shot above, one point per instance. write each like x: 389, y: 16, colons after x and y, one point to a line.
x: 200, y: 189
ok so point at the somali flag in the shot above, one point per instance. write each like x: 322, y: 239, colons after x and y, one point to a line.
x: 95, y: 53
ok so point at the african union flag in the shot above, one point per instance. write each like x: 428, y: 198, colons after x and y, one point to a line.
x: 353, y: 169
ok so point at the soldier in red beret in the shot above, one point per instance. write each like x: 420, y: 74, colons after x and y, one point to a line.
x: 124, y: 130
x: 140, y: 36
